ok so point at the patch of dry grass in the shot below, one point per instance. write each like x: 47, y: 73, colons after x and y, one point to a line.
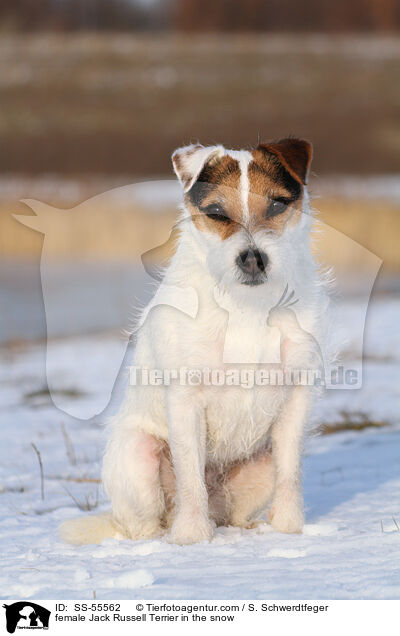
x: 351, y: 421
x: 373, y: 223
x: 94, y: 231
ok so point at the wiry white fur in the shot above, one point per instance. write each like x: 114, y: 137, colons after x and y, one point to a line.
x: 216, y: 426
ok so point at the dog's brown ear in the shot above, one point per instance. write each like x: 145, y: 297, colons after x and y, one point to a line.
x: 294, y: 154
x: 189, y: 161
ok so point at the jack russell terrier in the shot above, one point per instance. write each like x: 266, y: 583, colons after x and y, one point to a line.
x: 184, y: 457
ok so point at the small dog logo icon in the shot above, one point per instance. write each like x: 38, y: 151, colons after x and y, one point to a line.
x: 26, y: 615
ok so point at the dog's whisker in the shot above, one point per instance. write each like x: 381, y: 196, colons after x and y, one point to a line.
x: 283, y: 296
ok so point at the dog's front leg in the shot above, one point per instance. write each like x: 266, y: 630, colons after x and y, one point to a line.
x: 187, y: 440
x: 286, y: 513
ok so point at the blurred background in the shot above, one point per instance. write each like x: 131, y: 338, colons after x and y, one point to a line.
x: 96, y: 94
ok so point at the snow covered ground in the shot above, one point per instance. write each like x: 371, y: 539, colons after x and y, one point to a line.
x: 351, y: 542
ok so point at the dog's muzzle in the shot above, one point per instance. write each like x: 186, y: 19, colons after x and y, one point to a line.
x: 252, y: 264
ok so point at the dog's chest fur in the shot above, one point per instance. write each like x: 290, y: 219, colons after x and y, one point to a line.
x: 238, y: 418
x: 238, y: 421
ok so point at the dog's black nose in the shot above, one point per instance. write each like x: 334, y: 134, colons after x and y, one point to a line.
x: 252, y: 262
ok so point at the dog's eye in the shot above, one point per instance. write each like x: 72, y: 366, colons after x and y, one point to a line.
x: 216, y: 212
x: 277, y: 206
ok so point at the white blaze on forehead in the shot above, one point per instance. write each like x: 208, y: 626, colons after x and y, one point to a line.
x: 243, y: 157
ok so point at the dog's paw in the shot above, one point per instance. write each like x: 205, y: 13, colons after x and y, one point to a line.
x: 187, y: 530
x: 243, y: 522
x: 287, y: 515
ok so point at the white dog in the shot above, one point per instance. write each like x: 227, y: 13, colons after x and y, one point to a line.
x: 185, y: 457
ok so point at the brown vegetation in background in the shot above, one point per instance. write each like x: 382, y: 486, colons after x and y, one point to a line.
x: 126, y: 231
x: 120, y: 104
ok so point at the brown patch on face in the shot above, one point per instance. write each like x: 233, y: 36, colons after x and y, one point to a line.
x: 218, y: 184
x: 276, y: 177
x: 271, y: 186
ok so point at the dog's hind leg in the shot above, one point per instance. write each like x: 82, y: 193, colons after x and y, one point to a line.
x: 131, y: 476
x: 250, y: 486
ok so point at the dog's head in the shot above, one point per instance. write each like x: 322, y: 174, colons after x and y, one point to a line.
x: 245, y: 207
